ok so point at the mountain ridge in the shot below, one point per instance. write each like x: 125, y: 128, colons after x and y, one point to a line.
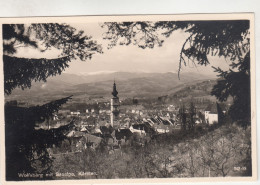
x: 129, y: 84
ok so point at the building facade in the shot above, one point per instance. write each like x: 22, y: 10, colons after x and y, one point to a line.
x: 211, y: 114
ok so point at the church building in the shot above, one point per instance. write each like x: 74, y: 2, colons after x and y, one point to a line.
x: 114, y: 106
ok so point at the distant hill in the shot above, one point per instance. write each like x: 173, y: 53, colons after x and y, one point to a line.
x: 119, y: 76
x: 198, y: 93
x: 147, y: 84
x: 128, y: 84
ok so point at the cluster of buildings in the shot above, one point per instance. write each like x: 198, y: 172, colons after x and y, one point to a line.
x: 114, y: 129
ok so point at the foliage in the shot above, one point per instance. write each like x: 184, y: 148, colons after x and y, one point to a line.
x: 26, y: 146
x: 214, y: 154
x: 64, y: 38
x: 16, y: 73
x: 222, y: 38
x: 142, y: 34
x: 236, y: 84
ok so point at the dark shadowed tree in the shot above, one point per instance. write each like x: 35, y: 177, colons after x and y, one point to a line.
x: 224, y: 38
x: 135, y: 101
x: 236, y: 83
x: 183, y: 117
x: 192, y: 113
x: 26, y: 146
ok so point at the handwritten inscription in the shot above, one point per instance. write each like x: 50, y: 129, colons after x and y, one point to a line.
x: 57, y: 174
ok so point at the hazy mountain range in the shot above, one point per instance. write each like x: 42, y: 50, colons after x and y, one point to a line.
x: 128, y: 84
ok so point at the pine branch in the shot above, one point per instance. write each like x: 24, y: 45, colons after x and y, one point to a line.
x: 20, y: 72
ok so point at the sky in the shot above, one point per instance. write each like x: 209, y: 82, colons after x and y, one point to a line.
x: 129, y: 58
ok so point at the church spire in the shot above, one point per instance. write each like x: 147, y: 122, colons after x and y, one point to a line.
x: 114, y: 93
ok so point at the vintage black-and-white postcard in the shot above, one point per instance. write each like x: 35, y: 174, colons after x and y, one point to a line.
x: 109, y: 99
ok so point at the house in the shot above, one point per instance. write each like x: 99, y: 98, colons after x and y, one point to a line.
x: 122, y: 134
x: 75, y: 113
x: 84, y: 129
x: 171, y: 108
x: 75, y: 133
x: 74, y: 137
x: 142, y: 128
x: 212, y: 114
x: 166, y: 120
x: 125, y: 125
x: 151, y: 121
x: 197, y: 121
x: 106, y: 131
x: 162, y: 124
x: 137, y: 128
x: 119, y: 138
x: 90, y: 141
x: 161, y: 128
x: 101, y: 111
x: 96, y: 131
x: 103, y: 122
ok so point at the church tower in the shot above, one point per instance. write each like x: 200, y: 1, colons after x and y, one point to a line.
x: 114, y: 106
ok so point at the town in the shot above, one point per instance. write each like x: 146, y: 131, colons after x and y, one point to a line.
x: 114, y: 123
